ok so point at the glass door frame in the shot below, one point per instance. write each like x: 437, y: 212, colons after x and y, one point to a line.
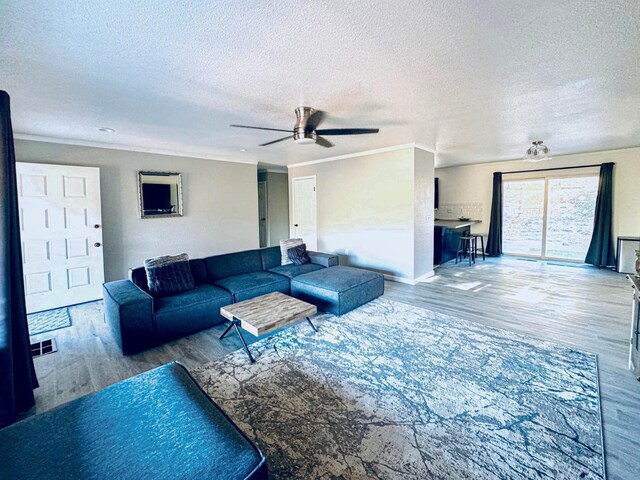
x: 546, y: 179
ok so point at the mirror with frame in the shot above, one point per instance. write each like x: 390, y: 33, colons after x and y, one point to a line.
x: 160, y: 194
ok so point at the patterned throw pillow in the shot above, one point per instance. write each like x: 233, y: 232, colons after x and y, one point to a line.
x: 298, y: 255
x: 286, y: 245
x: 168, y: 274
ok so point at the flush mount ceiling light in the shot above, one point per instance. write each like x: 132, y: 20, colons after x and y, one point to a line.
x: 106, y: 130
x: 538, y: 152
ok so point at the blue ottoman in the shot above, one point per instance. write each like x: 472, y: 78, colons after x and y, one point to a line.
x: 338, y: 289
x: 159, y: 424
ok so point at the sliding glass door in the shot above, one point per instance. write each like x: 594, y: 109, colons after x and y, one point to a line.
x: 571, y: 208
x: 549, y: 217
x: 523, y: 217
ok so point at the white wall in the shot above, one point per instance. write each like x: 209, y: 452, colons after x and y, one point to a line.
x: 220, y: 203
x: 471, y: 184
x: 423, y: 213
x: 367, y: 213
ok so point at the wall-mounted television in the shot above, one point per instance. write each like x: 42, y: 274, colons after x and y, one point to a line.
x: 156, y: 197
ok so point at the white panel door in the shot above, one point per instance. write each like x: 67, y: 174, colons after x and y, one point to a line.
x: 61, y: 232
x: 304, y: 211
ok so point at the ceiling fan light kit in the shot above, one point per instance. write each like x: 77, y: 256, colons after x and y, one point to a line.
x: 537, y: 153
x: 305, y: 131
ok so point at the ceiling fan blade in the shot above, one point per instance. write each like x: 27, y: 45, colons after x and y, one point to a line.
x: 276, y: 141
x: 323, y: 142
x: 314, y: 120
x: 261, y: 128
x: 347, y: 131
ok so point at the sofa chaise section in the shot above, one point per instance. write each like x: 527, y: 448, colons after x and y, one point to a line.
x: 159, y: 424
x: 338, y: 289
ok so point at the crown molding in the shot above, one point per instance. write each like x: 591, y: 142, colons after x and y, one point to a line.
x: 422, y: 147
x: 126, y: 148
x: 587, y: 153
x: 363, y: 154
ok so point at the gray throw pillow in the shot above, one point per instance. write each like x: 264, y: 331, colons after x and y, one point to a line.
x: 286, y: 245
x: 168, y: 275
x: 298, y: 255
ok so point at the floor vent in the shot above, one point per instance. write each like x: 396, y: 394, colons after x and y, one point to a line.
x: 44, y: 347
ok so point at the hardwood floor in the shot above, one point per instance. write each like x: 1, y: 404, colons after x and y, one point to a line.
x: 586, y: 308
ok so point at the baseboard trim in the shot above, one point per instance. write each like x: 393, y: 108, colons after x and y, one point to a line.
x: 422, y: 278
x: 408, y: 281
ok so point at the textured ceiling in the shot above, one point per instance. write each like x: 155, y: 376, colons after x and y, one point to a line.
x: 474, y: 80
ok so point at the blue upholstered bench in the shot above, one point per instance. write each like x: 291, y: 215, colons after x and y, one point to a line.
x: 338, y: 289
x: 156, y: 425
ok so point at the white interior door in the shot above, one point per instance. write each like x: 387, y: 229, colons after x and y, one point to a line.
x: 262, y: 213
x: 304, y: 211
x: 61, y: 231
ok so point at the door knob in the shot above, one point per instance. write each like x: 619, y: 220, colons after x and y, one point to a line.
x: 96, y: 226
x: 97, y: 244
x: 295, y: 225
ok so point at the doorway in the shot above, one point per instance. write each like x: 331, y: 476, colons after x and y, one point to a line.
x: 304, y: 211
x: 263, y: 210
x: 549, y: 218
x: 61, y: 233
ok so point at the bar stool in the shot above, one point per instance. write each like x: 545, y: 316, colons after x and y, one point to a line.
x: 481, y: 237
x: 466, y: 246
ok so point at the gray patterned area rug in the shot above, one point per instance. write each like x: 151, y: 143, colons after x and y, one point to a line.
x: 48, y: 320
x: 394, y: 391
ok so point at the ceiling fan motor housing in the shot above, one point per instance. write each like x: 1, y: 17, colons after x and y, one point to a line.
x: 300, y: 133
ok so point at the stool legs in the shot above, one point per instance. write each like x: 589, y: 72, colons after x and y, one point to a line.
x: 460, y: 254
x: 466, y: 247
x: 472, y: 250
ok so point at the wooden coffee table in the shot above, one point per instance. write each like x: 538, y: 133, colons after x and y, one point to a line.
x: 263, y: 314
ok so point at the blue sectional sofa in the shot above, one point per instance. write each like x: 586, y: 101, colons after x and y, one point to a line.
x: 139, y: 321
x: 159, y: 424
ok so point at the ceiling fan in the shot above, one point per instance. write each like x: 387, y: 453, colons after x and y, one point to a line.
x: 306, y: 130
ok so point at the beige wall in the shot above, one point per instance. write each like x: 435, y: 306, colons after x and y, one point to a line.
x: 220, y: 203
x: 472, y: 184
x: 277, y: 207
x: 366, y: 211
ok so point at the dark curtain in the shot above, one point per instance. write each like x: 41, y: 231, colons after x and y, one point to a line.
x: 494, y: 242
x: 600, y: 251
x: 17, y: 375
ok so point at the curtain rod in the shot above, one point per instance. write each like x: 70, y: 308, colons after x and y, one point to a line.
x: 550, y: 169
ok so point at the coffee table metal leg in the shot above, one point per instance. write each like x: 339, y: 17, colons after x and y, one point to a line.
x: 244, y: 344
x: 226, y: 331
x: 312, y: 325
